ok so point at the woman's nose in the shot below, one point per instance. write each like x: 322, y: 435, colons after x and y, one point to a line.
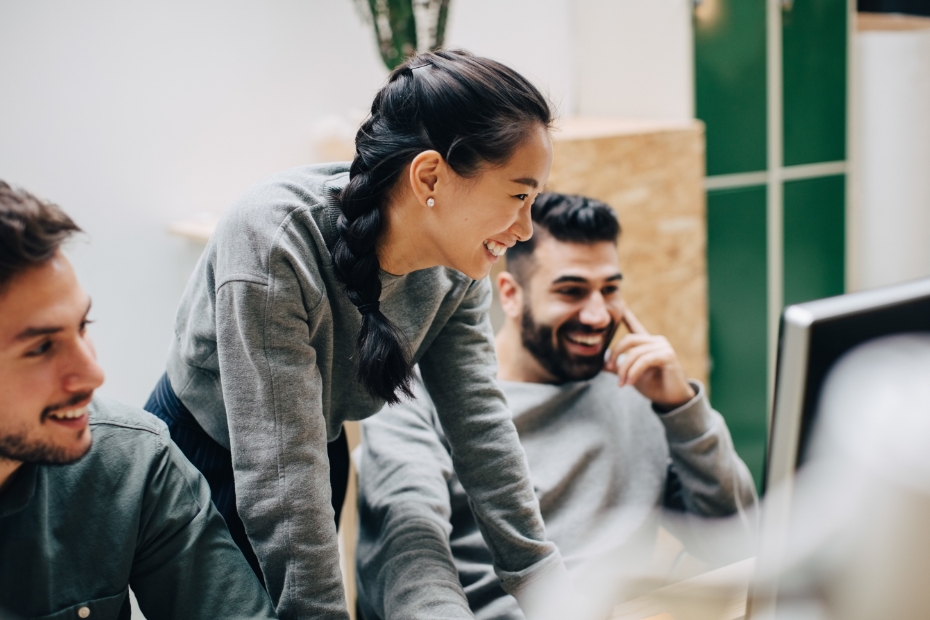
x: 522, y: 229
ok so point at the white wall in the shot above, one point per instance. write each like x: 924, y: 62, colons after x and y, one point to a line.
x: 134, y: 115
x: 533, y: 36
x: 627, y: 58
x: 891, y: 141
x: 131, y: 115
x: 634, y: 58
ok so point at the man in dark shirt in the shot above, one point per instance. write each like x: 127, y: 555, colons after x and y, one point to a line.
x: 94, y: 496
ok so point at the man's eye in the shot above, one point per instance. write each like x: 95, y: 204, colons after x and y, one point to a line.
x: 609, y: 290
x: 40, y: 350
x: 571, y: 292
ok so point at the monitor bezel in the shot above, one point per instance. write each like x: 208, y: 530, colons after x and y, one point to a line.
x: 797, y: 324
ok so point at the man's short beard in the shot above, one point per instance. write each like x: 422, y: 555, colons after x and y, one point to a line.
x: 551, y: 354
x: 18, y: 448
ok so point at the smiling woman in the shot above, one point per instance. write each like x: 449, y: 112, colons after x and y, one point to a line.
x: 320, y: 290
x: 451, y: 133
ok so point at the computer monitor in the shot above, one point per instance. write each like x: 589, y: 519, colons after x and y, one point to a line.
x: 813, y: 336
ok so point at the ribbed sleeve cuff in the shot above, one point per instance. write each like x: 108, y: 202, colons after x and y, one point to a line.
x: 544, y: 591
x: 691, y: 420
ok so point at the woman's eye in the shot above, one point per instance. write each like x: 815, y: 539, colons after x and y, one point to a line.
x: 40, y: 350
x: 521, y: 197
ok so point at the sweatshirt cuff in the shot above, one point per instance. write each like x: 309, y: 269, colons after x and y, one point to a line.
x: 544, y: 591
x: 690, y: 420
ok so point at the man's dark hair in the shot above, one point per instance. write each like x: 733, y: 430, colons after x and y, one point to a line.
x: 567, y: 218
x: 31, y: 231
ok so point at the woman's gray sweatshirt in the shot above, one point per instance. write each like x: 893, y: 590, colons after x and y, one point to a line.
x: 263, y: 358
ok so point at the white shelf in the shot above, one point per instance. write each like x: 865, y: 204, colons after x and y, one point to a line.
x: 198, y: 227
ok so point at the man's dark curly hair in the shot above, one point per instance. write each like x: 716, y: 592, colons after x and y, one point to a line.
x: 31, y: 231
x: 568, y: 218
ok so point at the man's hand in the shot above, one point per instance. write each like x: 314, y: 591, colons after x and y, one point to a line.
x: 650, y: 365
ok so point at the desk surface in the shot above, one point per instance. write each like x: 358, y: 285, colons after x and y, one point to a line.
x: 716, y: 595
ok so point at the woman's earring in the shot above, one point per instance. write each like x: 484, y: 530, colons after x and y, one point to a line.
x: 430, y: 202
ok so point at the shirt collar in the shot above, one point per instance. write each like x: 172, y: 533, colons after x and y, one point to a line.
x: 20, y: 492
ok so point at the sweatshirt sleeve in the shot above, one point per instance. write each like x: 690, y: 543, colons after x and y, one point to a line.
x: 405, y: 565
x: 459, y: 371
x: 186, y: 565
x: 713, y: 482
x: 272, y: 389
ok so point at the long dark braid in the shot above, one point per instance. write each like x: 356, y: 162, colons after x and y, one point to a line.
x: 470, y: 109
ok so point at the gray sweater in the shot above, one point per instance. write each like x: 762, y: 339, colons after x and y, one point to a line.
x: 599, y: 458
x: 265, y: 337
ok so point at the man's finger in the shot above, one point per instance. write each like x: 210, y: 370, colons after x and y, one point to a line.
x: 652, y: 359
x: 632, y: 356
x: 627, y: 342
x: 631, y: 340
x: 632, y: 323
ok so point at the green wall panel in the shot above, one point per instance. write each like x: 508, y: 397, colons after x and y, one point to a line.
x: 815, y: 238
x: 814, y: 40
x: 736, y: 262
x: 729, y: 38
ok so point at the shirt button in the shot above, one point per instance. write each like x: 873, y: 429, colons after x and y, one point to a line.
x: 83, y: 612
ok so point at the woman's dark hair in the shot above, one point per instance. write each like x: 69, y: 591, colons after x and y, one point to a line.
x: 31, y: 231
x: 471, y: 110
x: 568, y: 218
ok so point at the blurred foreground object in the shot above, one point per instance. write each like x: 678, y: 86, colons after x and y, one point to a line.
x: 716, y: 595
x: 405, y: 27
x: 858, y: 546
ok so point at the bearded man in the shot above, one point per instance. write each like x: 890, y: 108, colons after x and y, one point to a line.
x: 615, y: 438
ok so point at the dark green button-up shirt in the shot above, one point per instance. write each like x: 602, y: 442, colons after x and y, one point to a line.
x: 132, y: 512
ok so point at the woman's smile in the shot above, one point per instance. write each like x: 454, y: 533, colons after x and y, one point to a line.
x: 495, y: 249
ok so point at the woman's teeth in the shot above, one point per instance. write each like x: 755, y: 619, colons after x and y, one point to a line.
x: 70, y: 414
x: 495, y: 248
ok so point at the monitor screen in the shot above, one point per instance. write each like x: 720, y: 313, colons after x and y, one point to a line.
x: 812, y: 338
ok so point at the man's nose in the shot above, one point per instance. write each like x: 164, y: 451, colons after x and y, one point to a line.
x: 83, y: 373
x: 595, y: 313
x: 522, y: 229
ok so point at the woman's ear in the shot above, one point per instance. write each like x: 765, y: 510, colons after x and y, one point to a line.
x: 426, y: 171
x: 511, y: 294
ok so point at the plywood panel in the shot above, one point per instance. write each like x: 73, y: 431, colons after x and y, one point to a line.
x: 651, y: 173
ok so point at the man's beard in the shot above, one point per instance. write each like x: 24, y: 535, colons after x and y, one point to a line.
x: 549, y: 350
x: 19, y: 448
